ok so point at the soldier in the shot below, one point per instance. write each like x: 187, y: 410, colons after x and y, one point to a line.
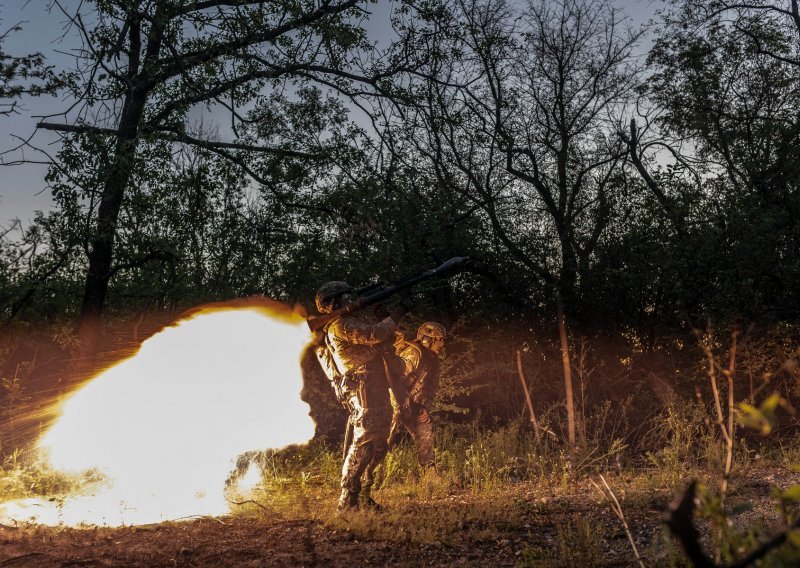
x: 421, y: 357
x: 364, y: 359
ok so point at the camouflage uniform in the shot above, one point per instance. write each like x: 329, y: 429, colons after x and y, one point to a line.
x: 367, y: 363
x: 421, y: 382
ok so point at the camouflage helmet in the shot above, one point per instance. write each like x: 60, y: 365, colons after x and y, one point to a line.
x: 432, y: 331
x: 327, y: 294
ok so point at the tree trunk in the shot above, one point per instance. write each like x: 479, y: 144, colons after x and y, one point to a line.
x: 568, y: 278
x: 101, y: 251
x: 565, y: 361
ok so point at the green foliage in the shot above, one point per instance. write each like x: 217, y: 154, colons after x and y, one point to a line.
x: 13, y: 395
x: 731, y: 542
x: 735, y: 97
x: 22, y: 479
x: 761, y: 419
x: 24, y: 75
x: 683, y: 442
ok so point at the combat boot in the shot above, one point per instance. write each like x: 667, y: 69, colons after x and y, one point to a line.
x: 348, y: 501
x: 369, y: 503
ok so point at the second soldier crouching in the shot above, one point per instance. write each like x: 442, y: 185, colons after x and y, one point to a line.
x: 421, y: 357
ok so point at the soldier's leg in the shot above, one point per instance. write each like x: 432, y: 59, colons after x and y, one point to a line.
x: 377, y: 425
x: 369, y: 476
x: 359, y: 454
x: 381, y: 448
x: 423, y: 438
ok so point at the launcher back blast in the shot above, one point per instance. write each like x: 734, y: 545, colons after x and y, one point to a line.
x: 455, y: 264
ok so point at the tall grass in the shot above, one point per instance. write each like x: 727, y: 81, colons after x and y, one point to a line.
x: 469, y: 456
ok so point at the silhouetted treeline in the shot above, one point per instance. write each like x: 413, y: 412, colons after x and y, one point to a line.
x: 646, y: 194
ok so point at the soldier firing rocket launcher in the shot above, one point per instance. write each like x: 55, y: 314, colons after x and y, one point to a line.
x: 453, y: 265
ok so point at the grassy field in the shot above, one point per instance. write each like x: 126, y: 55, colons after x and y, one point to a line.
x: 500, y: 497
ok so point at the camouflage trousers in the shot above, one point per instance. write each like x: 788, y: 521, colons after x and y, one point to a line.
x: 370, y: 416
x: 419, y: 425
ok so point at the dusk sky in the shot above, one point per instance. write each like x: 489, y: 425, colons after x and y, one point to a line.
x: 23, y: 188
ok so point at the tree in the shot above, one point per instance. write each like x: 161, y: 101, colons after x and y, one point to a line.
x: 146, y: 64
x: 725, y: 79
x: 23, y: 75
x: 38, y: 264
x: 520, y: 117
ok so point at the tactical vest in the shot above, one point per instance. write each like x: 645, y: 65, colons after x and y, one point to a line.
x: 415, y: 378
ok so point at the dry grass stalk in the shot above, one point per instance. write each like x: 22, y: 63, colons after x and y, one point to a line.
x: 617, y: 508
x: 727, y: 427
x: 534, y: 422
x: 728, y: 430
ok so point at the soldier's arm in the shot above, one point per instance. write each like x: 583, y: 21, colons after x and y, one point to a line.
x: 354, y: 331
x: 430, y: 384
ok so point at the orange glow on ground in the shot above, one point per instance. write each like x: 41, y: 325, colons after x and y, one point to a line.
x: 165, y: 425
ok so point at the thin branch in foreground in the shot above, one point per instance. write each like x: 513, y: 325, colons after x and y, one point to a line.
x: 617, y: 508
x: 528, y: 401
x: 250, y: 502
x: 679, y: 520
x: 175, y: 135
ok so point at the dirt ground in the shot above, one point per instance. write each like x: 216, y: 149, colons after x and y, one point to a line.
x: 238, y: 541
x: 209, y: 542
x: 526, y: 524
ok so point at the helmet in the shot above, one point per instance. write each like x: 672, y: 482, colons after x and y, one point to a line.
x: 328, y: 293
x: 431, y: 335
x: 431, y: 329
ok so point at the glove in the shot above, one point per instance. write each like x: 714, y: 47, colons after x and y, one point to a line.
x: 406, y: 409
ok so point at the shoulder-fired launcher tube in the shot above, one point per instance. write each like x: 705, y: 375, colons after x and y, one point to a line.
x: 315, y: 323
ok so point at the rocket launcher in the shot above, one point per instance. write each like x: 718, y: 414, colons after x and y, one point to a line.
x: 315, y: 323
